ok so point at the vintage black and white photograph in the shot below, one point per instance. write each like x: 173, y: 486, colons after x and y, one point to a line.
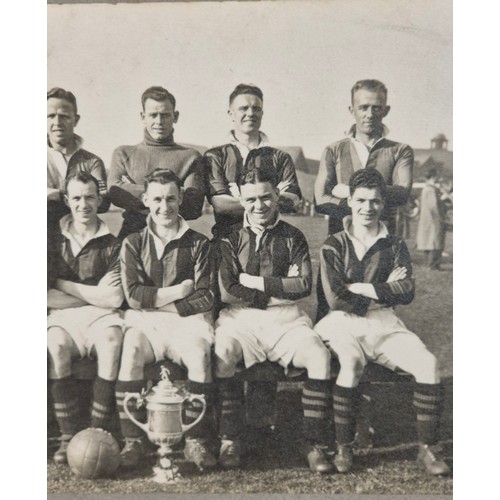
x: 250, y: 248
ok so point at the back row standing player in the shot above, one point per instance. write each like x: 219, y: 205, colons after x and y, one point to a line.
x: 248, y: 148
x: 130, y: 165
x: 365, y: 146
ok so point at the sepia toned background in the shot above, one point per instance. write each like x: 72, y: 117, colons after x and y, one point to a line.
x: 305, y: 55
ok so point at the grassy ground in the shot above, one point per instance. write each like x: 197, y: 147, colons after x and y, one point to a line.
x: 275, y: 464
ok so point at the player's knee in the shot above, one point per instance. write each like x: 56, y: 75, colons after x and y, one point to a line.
x: 227, y: 349
x: 427, y: 370
x: 316, y: 359
x: 133, y: 349
x: 228, y: 353
x: 352, y: 365
x: 109, y: 340
x: 198, y: 357
x: 59, y: 345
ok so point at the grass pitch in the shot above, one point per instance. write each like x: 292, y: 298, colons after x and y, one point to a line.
x: 275, y: 463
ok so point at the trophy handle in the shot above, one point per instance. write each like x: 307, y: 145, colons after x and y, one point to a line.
x: 192, y: 397
x: 128, y: 397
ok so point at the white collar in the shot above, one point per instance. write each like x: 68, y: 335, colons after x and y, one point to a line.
x: 351, y: 133
x: 359, y: 247
x: 78, y: 142
x: 245, y: 150
x: 76, y: 248
x: 258, y: 229
x: 159, y: 245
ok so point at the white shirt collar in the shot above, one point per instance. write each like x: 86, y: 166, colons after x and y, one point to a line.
x: 359, y: 247
x: 159, y: 245
x: 76, y: 247
x: 258, y: 229
x: 57, y: 162
x: 78, y: 142
x: 361, y: 149
x: 244, y: 150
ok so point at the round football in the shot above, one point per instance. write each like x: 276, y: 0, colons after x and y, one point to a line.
x: 93, y: 453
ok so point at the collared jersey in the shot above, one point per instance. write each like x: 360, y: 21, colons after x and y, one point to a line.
x: 226, y: 166
x: 144, y: 271
x: 60, y: 167
x: 340, y: 266
x: 88, y: 264
x: 279, y: 248
x: 341, y: 159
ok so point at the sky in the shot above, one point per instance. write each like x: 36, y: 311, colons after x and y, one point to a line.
x: 305, y: 55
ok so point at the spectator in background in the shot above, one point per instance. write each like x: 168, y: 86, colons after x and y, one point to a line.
x: 431, y: 225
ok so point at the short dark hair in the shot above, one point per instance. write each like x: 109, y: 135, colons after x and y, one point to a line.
x: 373, y: 85
x: 367, y: 178
x: 157, y: 94
x: 260, y: 173
x: 83, y: 177
x: 59, y: 93
x: 162, y: 176
x: 245, y: 88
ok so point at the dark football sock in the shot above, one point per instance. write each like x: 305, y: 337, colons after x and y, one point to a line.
x: 427, y: 400
x: 345, y: 406
x: 194, y: 409
x: 103, y: 403
x: 64, y: 393
x: 231, y: 407
x: 128, y: 428
x: 316, y: 400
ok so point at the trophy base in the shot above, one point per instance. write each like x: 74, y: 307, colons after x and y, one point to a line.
x: 166, y: 472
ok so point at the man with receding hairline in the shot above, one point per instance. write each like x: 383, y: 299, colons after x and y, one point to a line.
x: 365, y: 146
x: 130, y: 165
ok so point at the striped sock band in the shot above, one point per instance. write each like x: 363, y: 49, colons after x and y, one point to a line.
x: 128, y: 428
x: 316, y: 400
x: 345, y: 406
x: 194, y: 408
x: 103, y: 403
x: 64, y: 395
x: 231, y: 407
x: 427, y: 400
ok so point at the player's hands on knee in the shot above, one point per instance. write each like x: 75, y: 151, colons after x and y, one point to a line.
x: 399, y: 273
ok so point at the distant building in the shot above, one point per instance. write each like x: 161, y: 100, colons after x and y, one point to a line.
x: 436, y: 156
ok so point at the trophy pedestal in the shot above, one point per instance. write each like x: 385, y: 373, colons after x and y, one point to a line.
x: 165, y: 471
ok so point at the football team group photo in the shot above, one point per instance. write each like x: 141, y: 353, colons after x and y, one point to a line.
x: 241, y: 315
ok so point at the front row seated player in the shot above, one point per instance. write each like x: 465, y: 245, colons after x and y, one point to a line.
x: 83, y: 319
x: 365, y: 272
x: 166, y: 279
x: 265, y: 267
